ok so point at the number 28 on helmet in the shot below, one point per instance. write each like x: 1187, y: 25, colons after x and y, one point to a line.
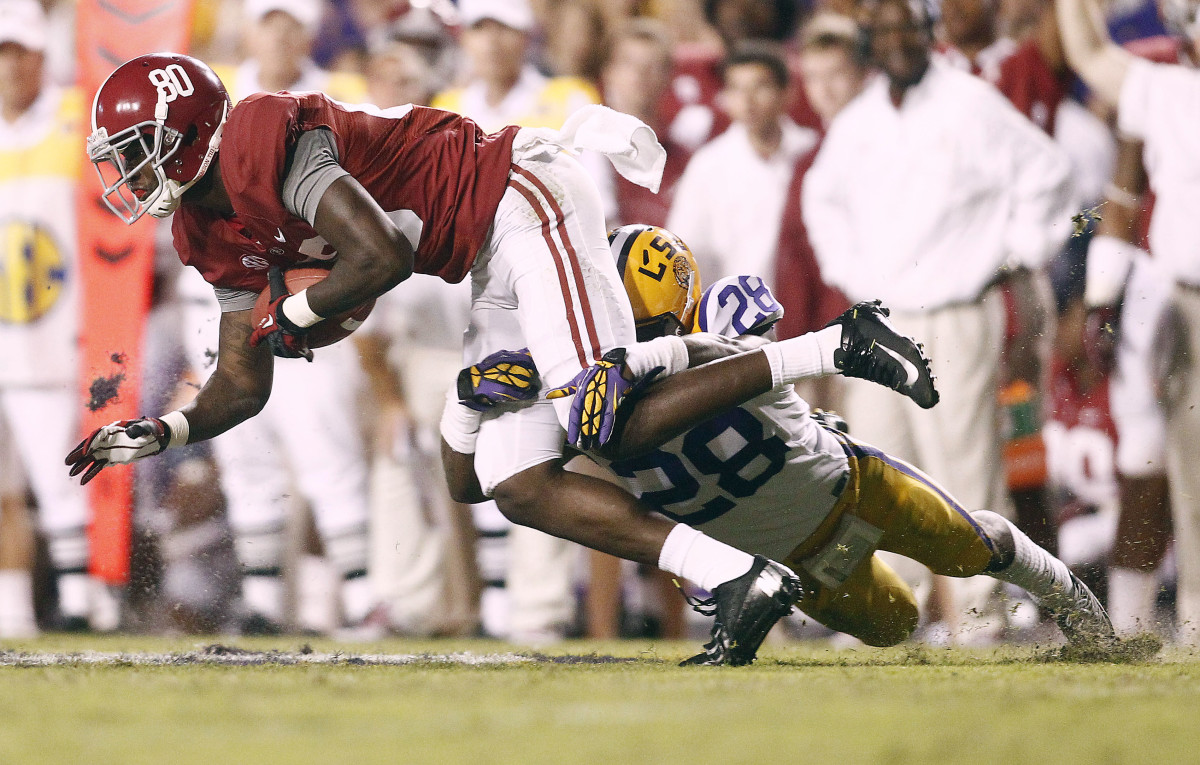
x: 156, y: 127
x: 660, y: 277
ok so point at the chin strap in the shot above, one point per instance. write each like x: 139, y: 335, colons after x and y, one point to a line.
x: 172, y: 191
x: 168, y: 198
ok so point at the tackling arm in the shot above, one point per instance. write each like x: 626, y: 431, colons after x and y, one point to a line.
x: 460, y: 476
x: 728, y: 375
x: 723, y: 373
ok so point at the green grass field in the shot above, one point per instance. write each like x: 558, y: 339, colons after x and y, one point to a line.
x: 804, y: 703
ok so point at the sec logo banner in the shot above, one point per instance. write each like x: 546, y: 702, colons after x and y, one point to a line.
x: 32, y: 272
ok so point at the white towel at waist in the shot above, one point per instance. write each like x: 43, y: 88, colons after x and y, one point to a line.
x: 629, y: 143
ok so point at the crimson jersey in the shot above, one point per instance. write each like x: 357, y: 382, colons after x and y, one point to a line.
x: 1080, y: 437
x: 1027, y: 80
x: 432, y: 171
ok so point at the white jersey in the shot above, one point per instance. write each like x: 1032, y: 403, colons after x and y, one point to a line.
x: 1160, y: 105
x: 760, y: 477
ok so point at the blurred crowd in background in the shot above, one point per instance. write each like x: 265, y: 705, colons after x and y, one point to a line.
x: 327, y: 513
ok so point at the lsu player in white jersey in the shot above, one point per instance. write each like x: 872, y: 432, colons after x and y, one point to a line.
x: 731, y: 449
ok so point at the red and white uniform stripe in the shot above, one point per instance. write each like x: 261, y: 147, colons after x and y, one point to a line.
x: 566, y: 263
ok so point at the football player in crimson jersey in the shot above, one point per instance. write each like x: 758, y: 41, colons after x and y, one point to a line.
x: 727, y: 448
x: 286, y: 177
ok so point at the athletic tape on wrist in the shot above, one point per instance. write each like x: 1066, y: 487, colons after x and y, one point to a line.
x: 296, y: 309
x: 459, y: 425
x: 178, y: 425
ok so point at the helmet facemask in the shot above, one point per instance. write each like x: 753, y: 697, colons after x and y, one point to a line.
x: 122, y: 157
x: 658, y: 326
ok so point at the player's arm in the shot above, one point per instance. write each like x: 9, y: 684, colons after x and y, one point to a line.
x: 1099, y: 62
x: 240, y: 385
x: 619, y: 419
x: 460, y: 476
x: 373, y: 255
x: 500, y: 378
x: 676, y: 404
x: 237, y: 390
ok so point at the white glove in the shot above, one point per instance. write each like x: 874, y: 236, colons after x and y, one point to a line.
x: 124, y: 441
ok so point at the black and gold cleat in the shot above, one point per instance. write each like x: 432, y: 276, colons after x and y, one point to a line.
x: 872, y: 349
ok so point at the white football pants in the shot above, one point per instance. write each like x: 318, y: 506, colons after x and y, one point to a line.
x: 958, y: 442
x: 544, y: 281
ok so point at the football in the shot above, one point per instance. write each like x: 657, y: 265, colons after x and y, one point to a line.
x: 327, y: 331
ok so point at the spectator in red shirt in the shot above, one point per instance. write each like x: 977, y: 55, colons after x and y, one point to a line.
x: 832, y: 75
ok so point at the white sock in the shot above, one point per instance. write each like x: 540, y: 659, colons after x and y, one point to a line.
x: 701, y: 559
x: 1131, y: 595
x: 810, y: 355
x: 16, y: 604
x: 1034, y: 570
x: 668, y: 352
x: 73, y: 594
x: 358, y: 598
x: 263, y: 595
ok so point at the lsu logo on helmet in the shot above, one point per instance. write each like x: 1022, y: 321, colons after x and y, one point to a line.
x: 660, y: 276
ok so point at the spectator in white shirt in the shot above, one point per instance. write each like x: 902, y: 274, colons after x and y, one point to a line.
x: 729, y: 203
x: 278, y: 38
x: 929, y: 190
x: 1158, y: 104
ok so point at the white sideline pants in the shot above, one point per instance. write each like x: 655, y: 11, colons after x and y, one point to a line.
x: 958, y: 442
x: 1138, y: 413
x: 48, y: 414
x: 1183, y: 455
